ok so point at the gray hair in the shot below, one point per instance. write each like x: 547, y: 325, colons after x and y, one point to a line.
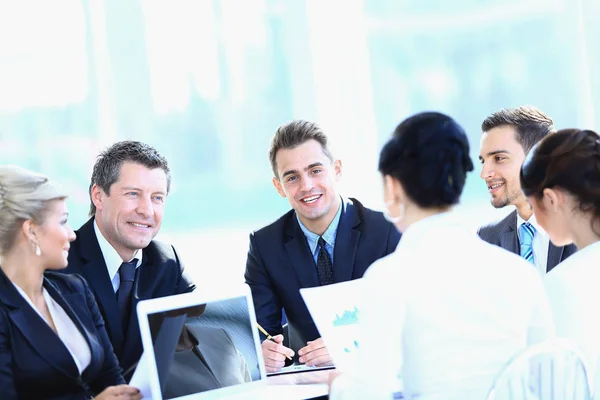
x: 24, y: 195
x: 107, y: 168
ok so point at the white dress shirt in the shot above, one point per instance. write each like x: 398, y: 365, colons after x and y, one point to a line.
x: 112, y: 259
x: 540, y: 244
x: 66, y: 329
x: 573, y: 289
x: 442, y: 315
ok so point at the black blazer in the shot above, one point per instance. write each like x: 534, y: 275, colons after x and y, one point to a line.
x: 221, y: 364
x: 34, y: 362
x: 504, y: 234
x: 280, y: 263
x: 161, y: 274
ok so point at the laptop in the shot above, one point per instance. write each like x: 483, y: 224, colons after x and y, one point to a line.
x: 205, y: 345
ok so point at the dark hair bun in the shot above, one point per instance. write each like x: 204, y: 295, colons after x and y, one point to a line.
x: 429, y: 155
x: 568, y: 159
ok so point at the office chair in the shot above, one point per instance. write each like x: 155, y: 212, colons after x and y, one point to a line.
x: 551, y: 370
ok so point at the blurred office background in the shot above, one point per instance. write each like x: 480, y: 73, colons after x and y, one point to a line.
x: 208, y: 81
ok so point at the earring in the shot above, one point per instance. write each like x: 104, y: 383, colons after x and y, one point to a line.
x: 36, y: 249
x: 389, y: 217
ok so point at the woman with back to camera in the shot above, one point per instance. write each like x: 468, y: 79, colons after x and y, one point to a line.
x: 442, y: 315
x: 561, y: 178
x: 52, y: 339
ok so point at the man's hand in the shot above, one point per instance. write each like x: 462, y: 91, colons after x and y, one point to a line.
x: 315, y: 354
x: 275, y: 353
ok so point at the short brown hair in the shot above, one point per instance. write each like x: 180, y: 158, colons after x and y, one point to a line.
x: 292, y: 134
x: 531, y: 124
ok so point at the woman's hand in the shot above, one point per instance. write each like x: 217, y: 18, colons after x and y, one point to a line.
x: 332, y: 376
x: 119, y: 392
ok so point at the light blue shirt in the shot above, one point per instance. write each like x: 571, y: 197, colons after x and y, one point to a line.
x: 328, y: 236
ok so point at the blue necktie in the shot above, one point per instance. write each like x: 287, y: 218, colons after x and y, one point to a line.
x: 526, y: 233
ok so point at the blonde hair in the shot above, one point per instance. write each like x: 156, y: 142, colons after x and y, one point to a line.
x: 24, y: 195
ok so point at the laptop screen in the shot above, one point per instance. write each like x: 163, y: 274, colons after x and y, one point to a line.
x: 203, y: 347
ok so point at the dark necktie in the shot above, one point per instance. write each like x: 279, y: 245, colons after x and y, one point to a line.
x: 127, y: 275
x: 324, y: 267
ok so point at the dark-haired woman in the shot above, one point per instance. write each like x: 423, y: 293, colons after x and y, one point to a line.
x: 561, y: 178
x: 446, y: 311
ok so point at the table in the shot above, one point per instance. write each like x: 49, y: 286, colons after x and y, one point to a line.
x: 307, y: 385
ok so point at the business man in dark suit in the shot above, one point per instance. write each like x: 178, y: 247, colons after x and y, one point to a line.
x: 115, y: 250
x: 324, y: 239
x: 508, y: 135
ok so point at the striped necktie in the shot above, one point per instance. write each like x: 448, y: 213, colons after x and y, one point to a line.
x: 526, y: 233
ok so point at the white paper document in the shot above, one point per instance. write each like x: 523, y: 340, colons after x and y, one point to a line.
x: 297, y: 368
x: 336, y: 313
x: 140, y: 378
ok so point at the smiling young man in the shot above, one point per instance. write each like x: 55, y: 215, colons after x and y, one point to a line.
x: 115, y: 250
x: 508, y: 135
x: 324, y: 239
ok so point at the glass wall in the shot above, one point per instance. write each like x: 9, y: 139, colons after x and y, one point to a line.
x: 207, y: 82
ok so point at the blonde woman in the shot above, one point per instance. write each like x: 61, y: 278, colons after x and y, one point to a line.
x: 52, y: 338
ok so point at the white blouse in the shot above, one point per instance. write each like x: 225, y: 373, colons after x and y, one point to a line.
x: 573, y: 287
x: 442, y: 315
x: 66, y: 328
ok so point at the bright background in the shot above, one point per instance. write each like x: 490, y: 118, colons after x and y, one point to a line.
x: 207, y: 82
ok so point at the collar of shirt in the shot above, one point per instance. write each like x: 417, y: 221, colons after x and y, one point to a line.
x: 112, y: 259
x: 434, y: 225
x: 532, y: 221
x: 329, y: 235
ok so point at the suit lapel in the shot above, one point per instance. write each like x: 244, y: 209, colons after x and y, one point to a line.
x: 299, y: 253
x: 206, y: 349
x: 509, y: 239
x: 74, y: 304
x: 36, y: 331
x: 346, y: 242
x: 145, y: 277
x: 96, y: 274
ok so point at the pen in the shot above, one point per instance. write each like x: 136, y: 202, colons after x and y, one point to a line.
x: 269, y: 337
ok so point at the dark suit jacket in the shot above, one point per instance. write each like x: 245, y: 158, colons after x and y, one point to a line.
x: 504, y: 234
x: 161, y: 274
x: 34, y: 362
x: 280, y: 263
x: 221, y: 365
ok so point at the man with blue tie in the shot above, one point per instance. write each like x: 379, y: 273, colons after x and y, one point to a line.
x: 115, y: 250
x: 324, y: 239
x: 508, y: 135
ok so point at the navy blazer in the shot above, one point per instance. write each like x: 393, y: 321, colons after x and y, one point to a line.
x: 280, y: 263
x: 34, y: 362
x: 504, y: 234
x: 161, y: 274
